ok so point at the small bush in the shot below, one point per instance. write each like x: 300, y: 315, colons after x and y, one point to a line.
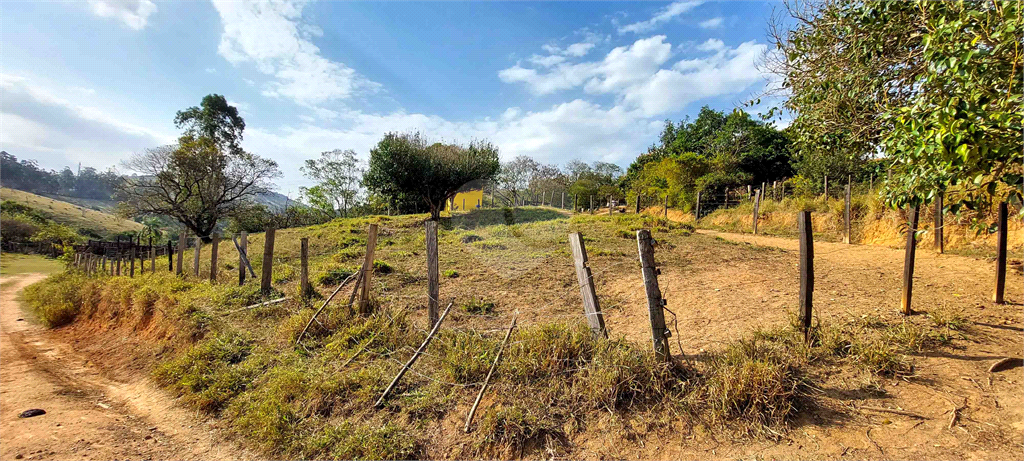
x: 333, y: 276
x: 470, y: 238
x: 451, y: 273
x: 382, y: 267
x: 211, y: 373
x: 57, y: 300
x: 478, y: 307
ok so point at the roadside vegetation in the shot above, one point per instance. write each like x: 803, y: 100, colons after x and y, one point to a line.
x: 555, y: 383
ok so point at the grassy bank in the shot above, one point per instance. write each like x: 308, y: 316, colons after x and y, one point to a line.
x: 873, y: 223
x: 556, y: 385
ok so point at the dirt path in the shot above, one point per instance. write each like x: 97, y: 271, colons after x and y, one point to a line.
x: 87, y: 415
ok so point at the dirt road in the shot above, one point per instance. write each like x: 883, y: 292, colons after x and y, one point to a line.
x: 87, y: 415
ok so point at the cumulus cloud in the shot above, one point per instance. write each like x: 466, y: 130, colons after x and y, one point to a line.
x: 133, y: 13
x: 273, y: 37
x: 637, y: 76
x: 662, y: 16
x: 39, y: 124
x: 712, y: 23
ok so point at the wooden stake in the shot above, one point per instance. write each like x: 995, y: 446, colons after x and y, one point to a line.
x: 181, y: 252
x: 305, y: 290
x: 152, y: 256
x: 170, y: 256
x: 666, y: 206
x: 591, y: 204
x: 846, y: 210
x: 195, y: 256
x: 696, y: 215
x: 433, y: 289
x: 268, y: 260
x: 243, y: 257
x: 939, y: 241
x: 609, y: 205
x: 659, y: 333
x: 371, y: 245
x: 131, y: 265
x: 213, y: 256
x: 119, y: 258
x: 415, y: 356
x: 806, y: 271
x: 487, y: 380
x: 908, y: 261
x: 757, y: 208
x: 637, y: 203
x: 826, y: 187
x: 591, y: 307
x: 322, y: 306
x: 997, y: 297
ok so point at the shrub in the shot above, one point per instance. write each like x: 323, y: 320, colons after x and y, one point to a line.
x: 451, y: 273
x: 478, y: 307
x: 57, y: 300
x: 333, y: 276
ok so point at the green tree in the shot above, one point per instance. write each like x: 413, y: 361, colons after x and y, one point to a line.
x: 408, y: 165
x: 214, y: 119
x: 200, y: 180
x: 338, y: 176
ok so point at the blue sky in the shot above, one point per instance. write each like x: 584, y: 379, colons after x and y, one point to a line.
x: 94, y: 82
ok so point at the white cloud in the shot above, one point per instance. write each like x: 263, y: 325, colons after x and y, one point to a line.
x: 273, y: 38
x: 39, y: 124
x: 133, y: 13
x: 635, y: 74
x: 210, y: 70
x: 712, y: 23
x: 546, y: 61
x: 662, y: 16
x: 712, y: 44
x: 579, y: 49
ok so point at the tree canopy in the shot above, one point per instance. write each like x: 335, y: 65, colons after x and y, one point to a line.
x: 407, y: 167
x: 201, y: 179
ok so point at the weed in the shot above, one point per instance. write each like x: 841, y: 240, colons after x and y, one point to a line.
x: 478, y: 307
x: 451, y: 273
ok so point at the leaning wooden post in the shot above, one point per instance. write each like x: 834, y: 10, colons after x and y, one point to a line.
x: 243, y: 246
x: 268, y: 260
x: 304, y: 289
x: 213, y: 256
x: 757, y: 207
x: 195, y: 256
x: 908, y: 261
x: 487, y: 380
x: 181, y: 253
x: 939, y: 243
x: 655, y: 304
x: 846, y: 210
x: 591, y: 308
x: 432, y: 276
x: 1004, y: 212
x: 806, y: 271
x: 415, y: 356
x: 371, y: 245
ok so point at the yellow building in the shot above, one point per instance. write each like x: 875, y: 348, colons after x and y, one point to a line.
x: 467, y: 200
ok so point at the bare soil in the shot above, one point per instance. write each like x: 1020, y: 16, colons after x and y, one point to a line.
x: 88, y: 415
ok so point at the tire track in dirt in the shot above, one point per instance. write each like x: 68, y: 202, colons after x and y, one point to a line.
x: 87, y: 415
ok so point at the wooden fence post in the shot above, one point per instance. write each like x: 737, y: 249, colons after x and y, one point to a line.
x: 152, y: 256
x: 655, y: 304
x: 181, y: 253
x: 268, y: 260
x: 939, y: 241
x: 591, y: 308
x: 637, y: 203
x: 576, y: 203
x: 908, y: 261
x: 561, y: 204
x: 433, y: 290
x: 131, y: 265
x: 591, y: 204
x: 104, y: 262
x: 170, y: 257
x: 305, y: 290
x: 666, y: 206
x: 826, y: 187
x: 119, y: 258
x: 757, y: 207
x: 1001, y: 254
x: 371, y: 245
x: 806, y: 271
x: 609, y: 205
x: 846, y: 210
x: 195, y: 256
x: 696, y: 215
x: 213, y: 256
x: 243, y: 246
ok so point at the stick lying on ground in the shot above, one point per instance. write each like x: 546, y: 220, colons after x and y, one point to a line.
x: 322, y: 306
x: 416, y: 355
x: 487, y: 380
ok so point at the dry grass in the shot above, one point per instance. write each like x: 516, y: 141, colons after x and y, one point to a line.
x: 73, y: 216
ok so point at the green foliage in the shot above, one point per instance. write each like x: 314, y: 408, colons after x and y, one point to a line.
x: 215, y: 120
x: 451, y: 273
x: 212, y: 373
x: 408, y: 165
x: 338, y: 175
x: 58, y: 300
x: 477, y: 306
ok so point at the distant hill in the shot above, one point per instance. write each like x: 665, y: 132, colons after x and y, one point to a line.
x: 86, y: 220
